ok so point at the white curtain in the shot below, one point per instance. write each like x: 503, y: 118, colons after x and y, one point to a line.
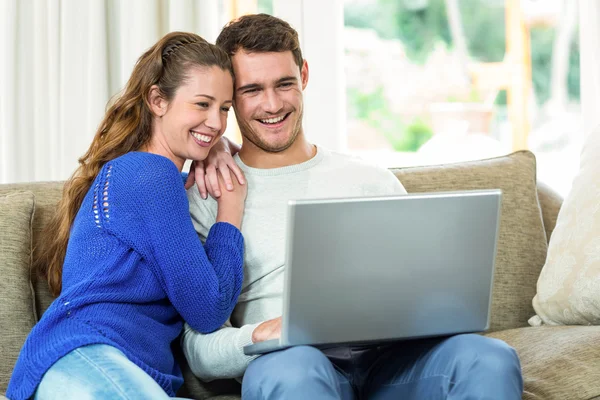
x: 589, y: 35
x: 62, y: 60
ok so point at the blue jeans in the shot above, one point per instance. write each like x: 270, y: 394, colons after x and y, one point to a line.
x: 97, y: 371
x: 459, y: 367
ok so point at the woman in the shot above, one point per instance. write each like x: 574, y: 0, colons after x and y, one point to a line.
x: 122, y: 244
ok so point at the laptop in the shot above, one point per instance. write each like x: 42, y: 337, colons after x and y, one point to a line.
x: 376, y: 269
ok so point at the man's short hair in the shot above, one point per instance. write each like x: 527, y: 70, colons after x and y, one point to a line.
x: 260, y: 33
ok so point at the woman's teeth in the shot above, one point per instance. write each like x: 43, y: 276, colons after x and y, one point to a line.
x: 202, y: 138
x: 273, y: 120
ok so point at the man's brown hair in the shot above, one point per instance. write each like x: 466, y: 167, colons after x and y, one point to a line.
x: 260, y: 33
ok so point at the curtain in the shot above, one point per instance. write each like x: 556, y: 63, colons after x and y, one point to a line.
x: 62, y: 60
x: 589, y: 39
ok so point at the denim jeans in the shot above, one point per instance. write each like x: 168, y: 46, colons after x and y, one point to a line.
x: 460, y: 367
x: 97, y: 371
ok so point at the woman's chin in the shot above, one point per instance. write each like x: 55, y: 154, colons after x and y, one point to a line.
x: 199, y: 154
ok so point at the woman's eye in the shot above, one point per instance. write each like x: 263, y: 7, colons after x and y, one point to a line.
x: 203, y: 105
x: 225, y: 109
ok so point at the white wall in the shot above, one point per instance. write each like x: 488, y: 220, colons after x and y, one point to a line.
x: 589, y: 39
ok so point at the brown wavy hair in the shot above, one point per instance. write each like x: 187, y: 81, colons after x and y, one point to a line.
x: 260, y: 33
x: 126, y: 126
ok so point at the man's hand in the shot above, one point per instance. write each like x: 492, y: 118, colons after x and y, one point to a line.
x: 268, y: 330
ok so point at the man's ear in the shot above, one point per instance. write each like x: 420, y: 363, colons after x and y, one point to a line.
x: 304, y: 74
x: 158, y: 105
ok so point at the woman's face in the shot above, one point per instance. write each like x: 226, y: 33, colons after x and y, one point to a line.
x: 194, y: 120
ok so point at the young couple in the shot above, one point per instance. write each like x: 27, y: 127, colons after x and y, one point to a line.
x: 125, y: 260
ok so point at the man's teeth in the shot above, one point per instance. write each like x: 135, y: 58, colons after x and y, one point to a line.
x: 202, y: 138
x: 272, y: 120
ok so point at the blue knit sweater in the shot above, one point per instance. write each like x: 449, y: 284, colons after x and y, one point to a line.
x: 134, y: 270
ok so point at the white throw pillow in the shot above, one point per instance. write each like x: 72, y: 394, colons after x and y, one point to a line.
x: 568, y: 289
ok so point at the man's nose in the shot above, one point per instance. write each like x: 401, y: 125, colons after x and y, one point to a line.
x: 272, y: 102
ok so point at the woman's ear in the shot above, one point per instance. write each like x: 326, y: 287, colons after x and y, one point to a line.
x: 158, y: 105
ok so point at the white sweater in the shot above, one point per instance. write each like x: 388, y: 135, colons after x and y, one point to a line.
x: 220, y: 354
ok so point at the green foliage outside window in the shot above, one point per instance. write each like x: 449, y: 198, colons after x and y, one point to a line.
x: 374, y: 110
x: 265, y: 6
x: 483, y: 21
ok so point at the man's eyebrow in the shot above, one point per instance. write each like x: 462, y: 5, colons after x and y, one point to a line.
x: 257, y: 86
x: 287, y: 78
x: 249, y: 86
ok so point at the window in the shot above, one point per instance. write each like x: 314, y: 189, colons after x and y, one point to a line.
x: 431, y: 81
x: 414, y: 82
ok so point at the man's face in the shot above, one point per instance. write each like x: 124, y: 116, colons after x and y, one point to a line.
x: 268, y: 98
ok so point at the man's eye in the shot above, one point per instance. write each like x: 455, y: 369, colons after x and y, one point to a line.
x: 286, y: 84
x: 251, y: 91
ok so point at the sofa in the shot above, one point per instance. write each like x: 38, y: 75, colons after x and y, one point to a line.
x: 558, y: 362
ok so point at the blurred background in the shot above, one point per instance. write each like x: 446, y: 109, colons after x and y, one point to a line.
x: 429, y: 81
x: 397, y: 82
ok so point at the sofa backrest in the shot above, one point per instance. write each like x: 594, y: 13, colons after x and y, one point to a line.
x: 550, y: 203
x: 46, y: 195
x: 522, y: 241
x: 517, y: 265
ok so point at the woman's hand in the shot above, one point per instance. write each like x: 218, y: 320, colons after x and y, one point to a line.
x: 205, y: 173
x: 231, y: 202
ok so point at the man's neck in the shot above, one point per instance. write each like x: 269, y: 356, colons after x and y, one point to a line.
x: 300, y: 151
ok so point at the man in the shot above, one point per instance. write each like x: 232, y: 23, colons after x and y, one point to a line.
x: 280, y: 164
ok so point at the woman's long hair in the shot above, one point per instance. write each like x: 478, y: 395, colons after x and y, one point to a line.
x: 126, y: 126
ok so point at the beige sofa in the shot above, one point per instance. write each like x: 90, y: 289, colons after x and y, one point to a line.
x: 558, y: 362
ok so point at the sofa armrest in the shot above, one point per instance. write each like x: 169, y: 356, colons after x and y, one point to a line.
x: 550, y: 203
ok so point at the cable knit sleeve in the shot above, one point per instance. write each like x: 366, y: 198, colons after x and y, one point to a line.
x: 141, y: 200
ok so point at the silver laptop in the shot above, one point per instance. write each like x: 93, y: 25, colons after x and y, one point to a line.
x: 374, y: 269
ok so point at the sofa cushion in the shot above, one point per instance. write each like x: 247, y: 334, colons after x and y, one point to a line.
x: 522, y: 242
x: 47, y: 195
x: 568, y: 290
x: 558, y: 362
x: 550, y: 202
x: 17, y: 303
